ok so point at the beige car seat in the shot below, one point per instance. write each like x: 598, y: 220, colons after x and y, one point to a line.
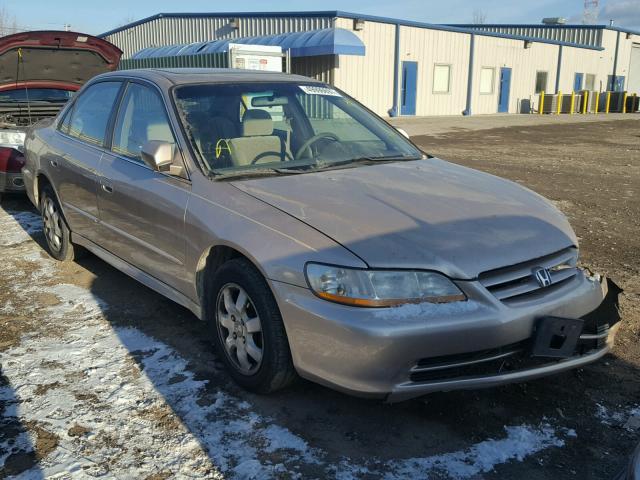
x: 207, y: 128
x: 257, y: 144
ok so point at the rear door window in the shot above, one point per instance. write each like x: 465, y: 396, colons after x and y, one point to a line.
x: 91, y: 112
x: 141, y: 118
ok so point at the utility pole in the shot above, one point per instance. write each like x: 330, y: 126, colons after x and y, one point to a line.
x: 67, y: 27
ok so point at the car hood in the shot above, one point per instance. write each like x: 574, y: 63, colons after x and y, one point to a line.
x: 426, y: 214
x: 52, y: 59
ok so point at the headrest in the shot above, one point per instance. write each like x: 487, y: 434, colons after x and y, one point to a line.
x: 256, y: 122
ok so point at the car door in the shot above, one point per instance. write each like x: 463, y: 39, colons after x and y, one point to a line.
x: 74, y: 159
x: 142, y: 210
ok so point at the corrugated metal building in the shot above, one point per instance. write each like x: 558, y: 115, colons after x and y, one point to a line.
x: 413, y: 68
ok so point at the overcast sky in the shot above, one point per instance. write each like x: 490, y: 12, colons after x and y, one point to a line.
x: 94, y: 17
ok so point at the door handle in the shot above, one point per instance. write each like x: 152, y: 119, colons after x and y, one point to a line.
x: 53, y: 163
x: 107, y: 188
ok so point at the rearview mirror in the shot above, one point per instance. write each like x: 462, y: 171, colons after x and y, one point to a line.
x: 158, y: 155
x: 269, y: 101
x: 404, y: 134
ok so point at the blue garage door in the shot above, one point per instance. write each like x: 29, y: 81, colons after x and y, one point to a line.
x: 409, y: 88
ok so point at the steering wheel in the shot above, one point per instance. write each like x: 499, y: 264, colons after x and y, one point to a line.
x: 287, y: 156
x: 314, y: 139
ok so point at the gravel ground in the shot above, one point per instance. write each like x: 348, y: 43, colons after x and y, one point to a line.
x: 101, y: 377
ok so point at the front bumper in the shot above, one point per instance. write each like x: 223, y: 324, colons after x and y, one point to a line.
x: 11, y: 182
x: 381, y: 353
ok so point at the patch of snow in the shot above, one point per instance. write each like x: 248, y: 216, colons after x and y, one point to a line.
x: 607, y: 417
x: 279, y: 438
x: 423, y: 310
x: 520, y: 442
x: 628, y: 418
x: 120, y: 385
x: 77, y: 300
x: 17, y: 227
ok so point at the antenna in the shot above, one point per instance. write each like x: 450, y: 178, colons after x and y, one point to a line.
x: 590, y: 12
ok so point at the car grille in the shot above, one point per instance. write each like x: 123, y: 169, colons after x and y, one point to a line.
x: 496, y: 361
x: 517, y: 282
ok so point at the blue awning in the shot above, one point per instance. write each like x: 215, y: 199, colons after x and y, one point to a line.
x: 327, y: 41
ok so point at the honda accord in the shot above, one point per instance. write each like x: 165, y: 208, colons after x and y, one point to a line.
x: 312, y: 237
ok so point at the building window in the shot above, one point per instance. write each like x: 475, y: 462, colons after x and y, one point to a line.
x: 590, y: 82
x: 541, y: 81
x: 487, y: 80
x: 441, y: 78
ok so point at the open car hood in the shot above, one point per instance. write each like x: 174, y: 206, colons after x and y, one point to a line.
x: 52, y: 59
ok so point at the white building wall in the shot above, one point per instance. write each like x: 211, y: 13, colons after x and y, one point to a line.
x: 633, y: 84
x: 624, y: 55
x: 369, y: 78
x: 578, y: 60
x: 497, y: 53
x: 431, y: 47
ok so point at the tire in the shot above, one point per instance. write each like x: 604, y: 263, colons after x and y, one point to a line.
x: 56, y: 231
x: 275, y: 369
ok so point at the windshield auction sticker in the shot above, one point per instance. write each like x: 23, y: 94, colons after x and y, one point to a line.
x: 313, y: 90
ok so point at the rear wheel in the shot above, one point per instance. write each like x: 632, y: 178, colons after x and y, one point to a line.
x: 247, y: 328
x: 56, y: 231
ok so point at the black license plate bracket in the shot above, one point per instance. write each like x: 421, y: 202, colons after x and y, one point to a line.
x: 556, y: 337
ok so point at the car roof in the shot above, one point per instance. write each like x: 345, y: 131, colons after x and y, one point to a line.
x: 179, y: 76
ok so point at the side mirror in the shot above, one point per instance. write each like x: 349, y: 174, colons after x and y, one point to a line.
x: 404, y: 134
x: 158, y: 155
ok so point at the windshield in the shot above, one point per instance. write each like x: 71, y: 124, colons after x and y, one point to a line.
x: 282, y: 127
x: 35, y: 95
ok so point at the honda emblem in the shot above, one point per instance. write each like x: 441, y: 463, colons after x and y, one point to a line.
x: 542, y: 276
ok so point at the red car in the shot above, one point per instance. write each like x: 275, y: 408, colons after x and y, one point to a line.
x: 39, y: 72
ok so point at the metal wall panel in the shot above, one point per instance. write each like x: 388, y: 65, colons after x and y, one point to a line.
x: 585, y: 36
x: 208, y: 60
x: 369, y: 78
x: 436, y: 47
x: 496, y: 53
x: 173, y: 30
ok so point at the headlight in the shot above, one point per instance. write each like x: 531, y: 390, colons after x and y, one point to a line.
x: 380, y: 288
x: 12, y: 138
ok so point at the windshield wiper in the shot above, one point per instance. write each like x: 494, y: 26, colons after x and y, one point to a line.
x: 258, y: 172
x: 363, y: 161
x: 269, y: 172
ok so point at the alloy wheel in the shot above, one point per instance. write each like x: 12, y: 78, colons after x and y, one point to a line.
x: 52, y: 224
x: 239, y: 328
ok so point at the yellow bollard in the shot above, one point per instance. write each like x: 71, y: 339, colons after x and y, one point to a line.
x: 608, y: 104
x: 597, y: 102
x: 624, y: 103
x: 585, y: 101
x: 559, y: 109
x: 541, y: 107
x: 573, y: 101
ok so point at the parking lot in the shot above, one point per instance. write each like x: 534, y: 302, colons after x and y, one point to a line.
x: 100, y: 376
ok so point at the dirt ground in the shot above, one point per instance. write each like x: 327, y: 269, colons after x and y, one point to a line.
x: 101, y: 377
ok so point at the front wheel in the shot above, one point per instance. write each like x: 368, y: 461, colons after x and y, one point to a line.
x: 247, y: 328
x: 56, y: 231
